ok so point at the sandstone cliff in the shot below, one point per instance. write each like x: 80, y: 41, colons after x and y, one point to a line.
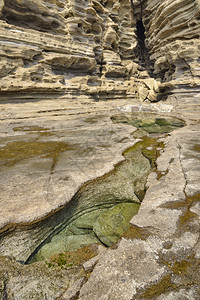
x: 81, y: 143
x: 98, y: 48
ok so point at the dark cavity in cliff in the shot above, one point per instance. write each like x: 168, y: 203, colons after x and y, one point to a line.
x: 140, y: 31
x: 141, y: 50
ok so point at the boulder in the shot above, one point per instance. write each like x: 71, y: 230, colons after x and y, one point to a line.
x: 111, y: 224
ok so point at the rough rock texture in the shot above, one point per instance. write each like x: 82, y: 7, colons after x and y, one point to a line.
x: 67, y: 46
x: 60, y: 61
x: 110, y: 226
x: 158, y: 258
x: 172, y: 37
x: 97, y: 48
x: 52, y: 154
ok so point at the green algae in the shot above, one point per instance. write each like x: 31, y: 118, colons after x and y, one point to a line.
x: 34, y: 130
x: 125, y: 184
x: 183, y: 265
x: 150, y: 122
x: 62, y: 243
x: 164, y: 285
x: 106, y: 225
x: 187, y: 217
x: 161, y: 174
x: 187, y: 202
x: 111, y: 224
x: 88, y: 220
x: 185, y: 221
x: 188, y: 269
x: 30, y: 128
x: 73, y: 229
x: 150, y: 148
x: 152, y: 154
x: 135, y: 232
x: 29, y: 146
x: 196, y: 148
x: 16, y: 151
x: 73, y: 259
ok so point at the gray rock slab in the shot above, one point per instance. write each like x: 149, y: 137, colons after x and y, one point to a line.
x: 120, y: 272
x: 73, y: 292
x: 55, y: 177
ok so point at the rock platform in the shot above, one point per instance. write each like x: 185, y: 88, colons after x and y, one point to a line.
x: 80, y: 83
x: 159, y: 255
x: 159, y: 259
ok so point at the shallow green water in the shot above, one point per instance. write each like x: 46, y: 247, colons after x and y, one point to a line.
x: 150, y: 122
x: 105, y: 206
x: 101, y: 210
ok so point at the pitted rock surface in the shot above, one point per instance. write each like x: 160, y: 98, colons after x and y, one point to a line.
x: 66, y: 68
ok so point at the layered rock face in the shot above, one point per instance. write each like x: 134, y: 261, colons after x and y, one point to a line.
x: 97, y: 48
x: 71, y: 46
x: 172, y: 37
x: 72, y: 163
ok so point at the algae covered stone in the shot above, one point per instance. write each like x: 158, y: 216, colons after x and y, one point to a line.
x: 150, y: 122
x: 60, y: 243
x: 111, y: 224
x: 87, y: 220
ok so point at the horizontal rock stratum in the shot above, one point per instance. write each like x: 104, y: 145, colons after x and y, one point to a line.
x: 97, y: 48
x: 80, y: 83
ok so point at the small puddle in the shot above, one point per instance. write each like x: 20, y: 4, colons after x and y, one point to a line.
x: 149, y: 122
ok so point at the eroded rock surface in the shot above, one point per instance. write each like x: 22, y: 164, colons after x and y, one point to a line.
x: 44, y: 165
x: 158, y: 257
x: 98, y: 49
x: 60, y: 61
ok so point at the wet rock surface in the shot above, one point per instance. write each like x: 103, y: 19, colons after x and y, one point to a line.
x: 66, y: 151
x: 110, y: 225
x: 165, y: 231
x: 159, y: 254
x: 45, y: 162
x: 104, y: 226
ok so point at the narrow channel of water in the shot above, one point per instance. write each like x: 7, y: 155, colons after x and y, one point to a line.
x: 101, y: 210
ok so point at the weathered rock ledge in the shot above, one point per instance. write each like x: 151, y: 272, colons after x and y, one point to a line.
x: 98, y: 49
x: 68, y: 67
x: 159, y: 255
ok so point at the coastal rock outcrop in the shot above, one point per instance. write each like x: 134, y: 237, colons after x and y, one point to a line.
x: 172, y: 38
x: 98, y: 48
x: 66, y: 46
x: 77, y: 82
